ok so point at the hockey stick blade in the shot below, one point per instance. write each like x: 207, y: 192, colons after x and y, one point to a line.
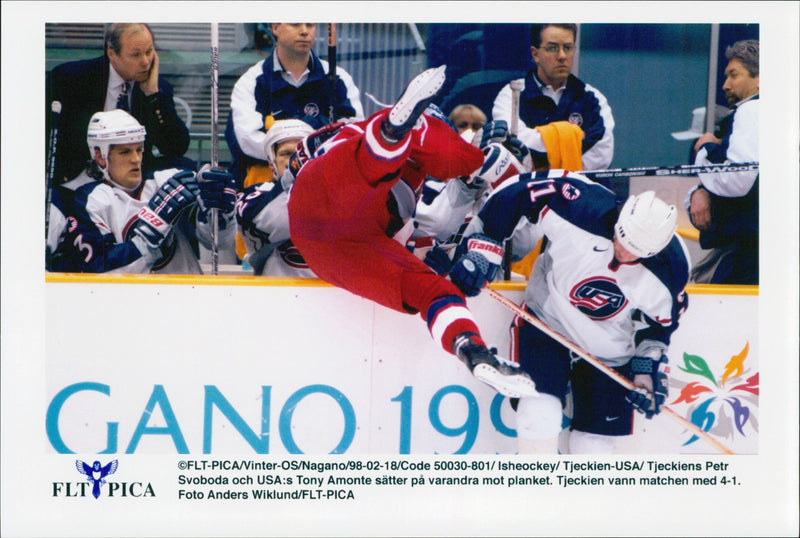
x: 603, y: 367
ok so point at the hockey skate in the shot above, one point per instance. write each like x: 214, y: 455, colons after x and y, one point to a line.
x: 499, y: 374
x: 415, y: 99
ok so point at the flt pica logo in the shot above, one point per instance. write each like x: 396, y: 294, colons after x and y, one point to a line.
x: 96, y: 474
x: 95, y: 478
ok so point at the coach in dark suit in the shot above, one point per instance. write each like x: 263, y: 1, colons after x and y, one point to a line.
x: 126, y: 76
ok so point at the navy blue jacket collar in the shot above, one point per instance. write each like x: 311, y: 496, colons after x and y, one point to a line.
x: 316, y: 71
x: 574, y: 85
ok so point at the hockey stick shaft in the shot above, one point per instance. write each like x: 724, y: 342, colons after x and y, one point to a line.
x: 597, y: 363
x: 684, y: 170
x: 214, y: 140
x: 516, y: 88
x: 55, y: 107
x: 332, y: 70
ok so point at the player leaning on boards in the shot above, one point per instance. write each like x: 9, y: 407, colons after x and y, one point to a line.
x: 610, y: 279
x: 262, y: 209
x: 350, y: 215
x: 112, y: 219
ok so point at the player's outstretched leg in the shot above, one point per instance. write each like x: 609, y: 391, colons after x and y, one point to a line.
x: 499, y: 374
x: 415, y: 99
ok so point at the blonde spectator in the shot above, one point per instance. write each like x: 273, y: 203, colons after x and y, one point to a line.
x: 467, y: 117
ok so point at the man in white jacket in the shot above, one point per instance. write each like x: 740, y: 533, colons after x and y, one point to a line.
x: 291, y: 83
x: 551, y: 94
x: 724, y: 207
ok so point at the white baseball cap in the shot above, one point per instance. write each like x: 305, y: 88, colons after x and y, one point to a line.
x: 696, y: 129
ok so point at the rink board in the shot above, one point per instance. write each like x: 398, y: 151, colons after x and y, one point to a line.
x: 179, y: 366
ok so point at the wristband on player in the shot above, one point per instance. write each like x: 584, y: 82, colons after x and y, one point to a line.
x: 650, y: 404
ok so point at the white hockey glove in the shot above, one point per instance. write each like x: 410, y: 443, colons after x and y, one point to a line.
x: 498, y: 165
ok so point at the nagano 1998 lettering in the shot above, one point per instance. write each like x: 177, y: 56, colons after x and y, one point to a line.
x: 213, y: 399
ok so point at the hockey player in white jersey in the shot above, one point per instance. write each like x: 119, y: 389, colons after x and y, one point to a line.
x: 261, y: 209
x: 114, y: 220
x: 445, y: 207
x: 610, y: 279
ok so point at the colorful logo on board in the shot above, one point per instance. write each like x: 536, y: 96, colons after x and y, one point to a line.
x: 723, y: 405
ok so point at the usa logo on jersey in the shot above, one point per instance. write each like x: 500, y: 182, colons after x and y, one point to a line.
x: 598, y: 297
x: 570, y: 192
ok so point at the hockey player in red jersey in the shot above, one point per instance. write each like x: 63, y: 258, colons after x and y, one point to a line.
x: 350, y: 216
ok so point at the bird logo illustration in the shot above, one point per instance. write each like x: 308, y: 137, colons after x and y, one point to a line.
x: 96, y: 474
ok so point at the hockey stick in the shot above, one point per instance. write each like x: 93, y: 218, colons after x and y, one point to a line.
x: 516, y: 88
x: 332, y: 69
x: 603, y: 367
x: 55, y: 106
x: 684, y: 170
x: 214, y: 140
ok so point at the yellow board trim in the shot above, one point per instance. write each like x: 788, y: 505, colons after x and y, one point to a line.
x: 249, y: 280
x: 720, y: 289
x: 691, y: 289
x: 186, y: 280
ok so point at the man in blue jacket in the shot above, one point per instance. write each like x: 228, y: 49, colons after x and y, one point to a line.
x: 291, y: 83
x: 551, y: 93
x: 126, y: 77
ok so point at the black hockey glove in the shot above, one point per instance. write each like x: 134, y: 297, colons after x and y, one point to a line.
x: 494, y: 132
x: 308, y: 146
x: 516, y: 147
x: 497, y: 132
x: 438, y: 259
x: 651, y: 378
x: 217, y: 191
x: 154, y: 221
x: 479, y: 266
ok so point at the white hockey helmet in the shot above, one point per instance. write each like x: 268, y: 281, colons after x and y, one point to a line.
x: 111, y: 128
x: 281, y: 131
x: 646, y: 224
